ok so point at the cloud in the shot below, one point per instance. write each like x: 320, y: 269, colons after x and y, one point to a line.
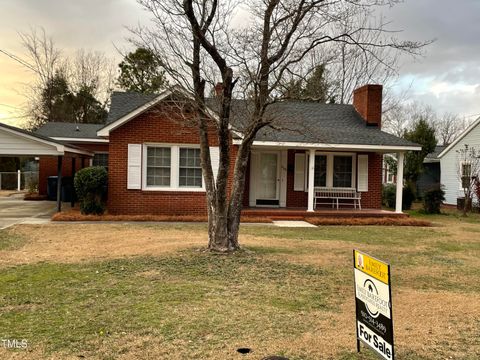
x: 448, y: 75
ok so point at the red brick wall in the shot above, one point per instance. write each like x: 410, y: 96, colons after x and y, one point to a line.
x: 295, y: 199
x: 154, y: 127
x: 367, y: 100
x: 373, y: 198
x: 48, y: 164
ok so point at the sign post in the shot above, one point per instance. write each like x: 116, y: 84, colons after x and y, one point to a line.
x: 373, y: 304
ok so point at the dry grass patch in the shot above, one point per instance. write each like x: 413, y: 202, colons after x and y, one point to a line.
x: 75, y: 215
x: 86, y: 242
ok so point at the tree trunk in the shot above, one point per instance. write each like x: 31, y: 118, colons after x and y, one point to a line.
x: 224, y: 222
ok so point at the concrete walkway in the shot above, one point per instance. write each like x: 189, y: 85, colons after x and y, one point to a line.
x: 15, y: 210
x: 291, y: 223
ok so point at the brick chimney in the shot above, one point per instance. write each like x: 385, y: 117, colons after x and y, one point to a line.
x: 218, y: 89
x: 367, y: 100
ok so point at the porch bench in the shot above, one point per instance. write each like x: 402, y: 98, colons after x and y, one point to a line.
x: 336, y: 194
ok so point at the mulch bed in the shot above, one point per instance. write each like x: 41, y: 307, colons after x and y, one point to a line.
x: 384, y: 221
x: 34, y: 197
x: 75, y: 215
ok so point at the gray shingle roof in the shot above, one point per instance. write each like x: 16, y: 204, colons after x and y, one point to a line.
x: 69, y: 130
x: 294, y: 121
x: 434, y: 155
x: 123, y: 103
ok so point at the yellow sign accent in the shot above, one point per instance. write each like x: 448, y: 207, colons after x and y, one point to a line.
x: 371, y: 266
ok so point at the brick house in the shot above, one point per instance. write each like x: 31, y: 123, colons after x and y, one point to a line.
x: 313, y: 148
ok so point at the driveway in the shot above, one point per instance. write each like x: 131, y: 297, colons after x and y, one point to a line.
x: 15, y: 210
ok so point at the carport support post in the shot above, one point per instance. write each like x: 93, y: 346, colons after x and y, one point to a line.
x: 399, y: 197
x: 311, y: 178
x: 73, y: 182
x: 59, y: 183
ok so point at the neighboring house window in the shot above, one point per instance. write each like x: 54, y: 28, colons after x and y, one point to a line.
x: 190, y: 174
x: 320, y: 170
x: 466, y: 174
x: 466, y: 169
x: 342, y: 171
x: 390, y: 177
x: 158, y: 166
x: 100, y: 159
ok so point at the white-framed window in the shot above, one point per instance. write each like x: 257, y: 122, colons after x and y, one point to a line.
x: 190, y: 174
x: 320, y: 176
x: 335, y: 170
x: 466, y: 169
x: 343, y: 171
x: 159, y: 161
x: 168, y: 167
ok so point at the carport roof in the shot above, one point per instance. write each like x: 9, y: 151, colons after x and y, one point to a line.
x: 19, y: 142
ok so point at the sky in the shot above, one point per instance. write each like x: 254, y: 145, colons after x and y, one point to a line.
x: 447, y: 76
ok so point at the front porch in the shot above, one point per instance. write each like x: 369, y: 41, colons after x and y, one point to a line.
x: 292, y: 181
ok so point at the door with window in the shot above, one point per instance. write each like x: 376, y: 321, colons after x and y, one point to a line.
x: 267, y: 178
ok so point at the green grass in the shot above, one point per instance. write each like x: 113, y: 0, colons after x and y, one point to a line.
x: 9, y: 241
x: 374, y: 235
x: 79, y: 303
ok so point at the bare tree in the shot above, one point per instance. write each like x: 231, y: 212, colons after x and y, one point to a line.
x: 402, y: 116
x: 92, y: 70
x: 198, y: 42
x: 44, y: 59
x: 89, y: 79
x: 468, y: 173
x: 448, y: 127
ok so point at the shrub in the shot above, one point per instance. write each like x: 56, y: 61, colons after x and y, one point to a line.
x: 408, y: 197
x: 90, y: 184
x: 389, y: 194
x: 433, y: 199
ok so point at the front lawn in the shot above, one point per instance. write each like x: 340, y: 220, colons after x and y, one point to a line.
x: 138, y: 291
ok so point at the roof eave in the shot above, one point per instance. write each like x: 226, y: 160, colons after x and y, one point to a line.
x: 359, y: 147
x: 89, y: 140
x: 458, y: 139
x: 105, y: 131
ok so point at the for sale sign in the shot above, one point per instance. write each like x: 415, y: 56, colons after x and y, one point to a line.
x: 373, y: 304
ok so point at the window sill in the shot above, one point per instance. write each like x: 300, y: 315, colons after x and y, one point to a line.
x: 171, y: 189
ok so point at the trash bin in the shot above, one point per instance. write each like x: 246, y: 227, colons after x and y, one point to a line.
x: 66, y: 191
x: 52, y: 187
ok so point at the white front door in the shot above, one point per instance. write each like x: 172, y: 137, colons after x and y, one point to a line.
x: 267, y: 178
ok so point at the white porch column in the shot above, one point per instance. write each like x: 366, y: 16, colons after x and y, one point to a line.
x: 311, y: 177
x: 398, y: 204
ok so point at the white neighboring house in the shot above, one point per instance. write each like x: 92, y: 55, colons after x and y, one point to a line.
x: 449, y: 162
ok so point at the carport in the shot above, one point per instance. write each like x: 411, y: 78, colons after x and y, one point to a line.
x: 18, y: 142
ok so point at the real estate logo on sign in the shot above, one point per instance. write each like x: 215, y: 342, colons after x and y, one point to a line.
x: 373, y: 304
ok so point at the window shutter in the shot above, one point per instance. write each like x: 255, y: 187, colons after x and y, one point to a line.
x: 134, y: 168
x: 299, y: 178
x: 362, y: 172
x: 215, y: 159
